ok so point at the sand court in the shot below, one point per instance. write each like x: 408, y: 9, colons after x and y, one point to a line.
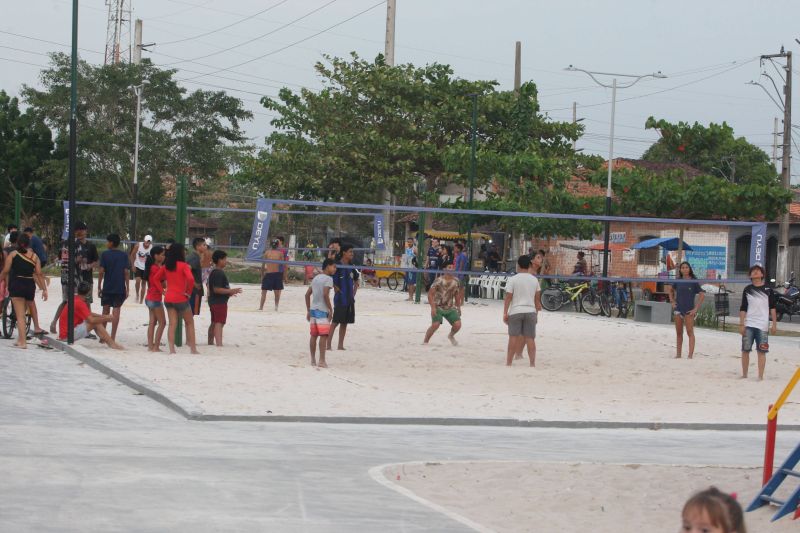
x: 588, y: 368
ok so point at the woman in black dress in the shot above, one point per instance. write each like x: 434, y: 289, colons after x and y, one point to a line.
x: 23, y: 272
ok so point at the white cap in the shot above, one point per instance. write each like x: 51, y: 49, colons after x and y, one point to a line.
x: 148, y: 238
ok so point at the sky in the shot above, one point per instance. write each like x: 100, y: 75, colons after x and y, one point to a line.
x: 708, y: 50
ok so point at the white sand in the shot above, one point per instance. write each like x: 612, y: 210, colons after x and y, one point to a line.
x: 588, y: 368
x: 601, y: 498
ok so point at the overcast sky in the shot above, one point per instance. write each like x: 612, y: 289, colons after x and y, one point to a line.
x: 708, y: 49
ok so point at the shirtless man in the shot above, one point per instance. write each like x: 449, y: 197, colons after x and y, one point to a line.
x: 272, y: 280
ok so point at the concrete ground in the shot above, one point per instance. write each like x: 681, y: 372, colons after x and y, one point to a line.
x: 81, y: 452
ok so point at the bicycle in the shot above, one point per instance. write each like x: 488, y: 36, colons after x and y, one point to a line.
x: 616, y: 299
x: 9, y: 319
x: 583, y: 296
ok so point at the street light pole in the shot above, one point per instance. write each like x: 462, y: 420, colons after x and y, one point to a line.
x: 73, y: 155
x: 613, y: 87
x: 472, y: 171
x: 138, y: 91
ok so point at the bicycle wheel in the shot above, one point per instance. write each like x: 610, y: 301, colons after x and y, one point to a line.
x: 9, y: 319
x: 393, y: 280
x: 605, y: 304
x: 591, y: 303
x: 552, y: 299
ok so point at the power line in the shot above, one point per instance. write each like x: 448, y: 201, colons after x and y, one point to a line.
x: 294, y: 43
x: 271, y: 32
x: 243, y: 19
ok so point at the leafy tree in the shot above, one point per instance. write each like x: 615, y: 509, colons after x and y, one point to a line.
x: 712, y: 149
x: 25, y: 144
x: 196, y: 134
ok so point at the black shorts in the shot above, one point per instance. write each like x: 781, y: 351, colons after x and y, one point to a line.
x: 139, y: 272
x: 273, y: 281
x: 112, y: 300
x: 178, y: 306
x: 22, y: 288
x: 345, y: 314
x: 196, y: 300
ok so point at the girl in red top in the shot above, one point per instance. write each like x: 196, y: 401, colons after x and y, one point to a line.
x: 155, y: 293
x: 180, y: 283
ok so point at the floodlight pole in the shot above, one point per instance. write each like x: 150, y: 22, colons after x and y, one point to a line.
x: 472, y: 171
x: 613, y: 87
x: 73, y: 154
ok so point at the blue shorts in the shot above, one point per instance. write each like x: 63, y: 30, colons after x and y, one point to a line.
x: 411, y: 278
x: 112, y: 300
x: 153, y: 304
x: 757, y: 336
x: 272, y: 281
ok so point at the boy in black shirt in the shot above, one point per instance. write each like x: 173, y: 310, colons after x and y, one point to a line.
x: 219, y: 290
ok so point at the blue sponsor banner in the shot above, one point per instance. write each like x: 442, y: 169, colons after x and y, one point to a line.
x: 65, y: 233
x: 380, y: 244
x: 708, y: 262
x: 758, y: 245
x: 258, y: 236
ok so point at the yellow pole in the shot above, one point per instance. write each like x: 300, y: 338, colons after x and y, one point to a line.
x: 785, y: 394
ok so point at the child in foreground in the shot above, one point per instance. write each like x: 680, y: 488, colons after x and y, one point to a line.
x: 443, y: 298
x: 219, y: 290
x: 85, y: 321
x: 319, y: 310
x: 712, y: 511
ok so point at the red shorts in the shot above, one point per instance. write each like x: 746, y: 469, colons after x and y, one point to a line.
x: 219, y: 313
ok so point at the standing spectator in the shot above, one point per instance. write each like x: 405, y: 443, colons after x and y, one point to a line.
x: 195, y: 262
x: 86, y: 259
x: 11, y: 242
x: 37, y: 245
x: 462, y: 265
x: 334, y: 249
x: 409, y: 260
x: 283, y: 268
x: 522, y: 302
x: 345, y: 286
x: 319, y: 311
x: 682, y: 296
x: 758, y: 307
x: 23, y: 271
x: 154, y: 297
x: 139, y: 254
x: 271, y: 275
x: 180, y: 285
x: 219, y: 291
x: 493, y: 259
x: 432, y: 263
x: 113, y: 280
x: 7, y: 239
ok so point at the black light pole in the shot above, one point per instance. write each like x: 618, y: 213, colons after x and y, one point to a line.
x: 73, y: 149
x: 472, y: 170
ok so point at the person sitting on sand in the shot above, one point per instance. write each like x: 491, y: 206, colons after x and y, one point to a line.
x: 712, y: 511
x: 443, y: 299
x: 319, y: 310
x: 85, y: 321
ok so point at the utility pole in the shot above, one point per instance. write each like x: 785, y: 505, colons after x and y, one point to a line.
x: 574, y: 118
x: 783, y: 227
x: 138, y: 91
x: 391, y: 11
x: 73, y: 150
x: 775, y: 134
x: 518, y: 68
x: 137, y: 42
x: 386, y: 196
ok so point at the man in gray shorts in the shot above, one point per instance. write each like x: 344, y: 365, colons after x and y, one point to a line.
x: 522, y: 303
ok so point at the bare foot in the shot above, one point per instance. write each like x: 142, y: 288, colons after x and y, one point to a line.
x: 340, y: 347
x: 20, y: 346
x: 518, y: 356
x: 173, y: 352
x: 313, y: 362
x: 677, y: 357
x: 195, y: 352
x: 454, y: 342
x: 323, y: 364
x: 116, y: 346
x: 52, y: 328
x: 689, y: 356
x: 533, y: 365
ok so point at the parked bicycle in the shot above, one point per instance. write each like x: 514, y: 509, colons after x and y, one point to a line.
x: 584, y: 297
x: 616, y: 301
x: 9, y: 319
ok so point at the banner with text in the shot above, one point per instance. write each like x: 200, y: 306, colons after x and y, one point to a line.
x: 380, y: 244
x: 258, y: 236
x: 758, y: 245
x: 65, y: 233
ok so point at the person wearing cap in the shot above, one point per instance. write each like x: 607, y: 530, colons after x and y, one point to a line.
x: 86, y: 259
x: 139, y: 255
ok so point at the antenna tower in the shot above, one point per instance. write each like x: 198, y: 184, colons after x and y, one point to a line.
x: 118, y: 32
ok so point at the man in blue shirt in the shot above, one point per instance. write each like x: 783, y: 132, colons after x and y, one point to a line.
x: 112, y: 280
x: 37, y: 245
x: 345, y: 286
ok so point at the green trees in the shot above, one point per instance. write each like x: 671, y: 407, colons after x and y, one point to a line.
x: 197, y: 134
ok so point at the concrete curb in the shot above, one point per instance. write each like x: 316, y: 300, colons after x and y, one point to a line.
x: 188, y: 410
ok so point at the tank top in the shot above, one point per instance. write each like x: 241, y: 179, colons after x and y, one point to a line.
x: 22, y: 266
x: 141, y: 256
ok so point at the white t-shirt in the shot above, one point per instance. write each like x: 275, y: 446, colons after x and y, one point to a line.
x: 318, y: 285
x: 523, y: 286
x: 757, y: 302
x: 141, y: 256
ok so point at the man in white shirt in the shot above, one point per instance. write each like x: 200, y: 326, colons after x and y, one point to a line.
x: 522, y: 303
x: 755, y: 313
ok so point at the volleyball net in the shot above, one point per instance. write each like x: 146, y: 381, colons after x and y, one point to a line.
x: 640, y: 249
